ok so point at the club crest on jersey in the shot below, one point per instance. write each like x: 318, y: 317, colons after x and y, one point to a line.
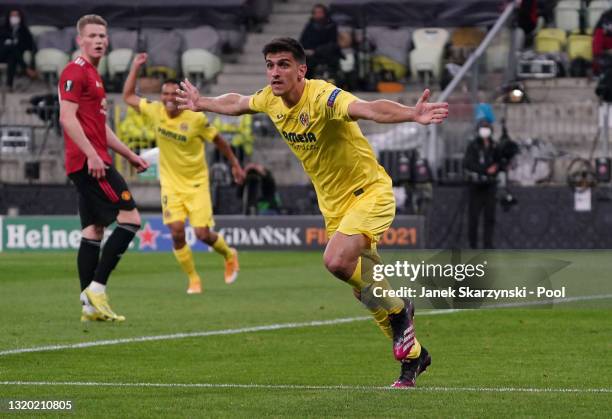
x: 126, y: 195
x: 68, y: 86
x: 304, y: 119
x: 184, y: 127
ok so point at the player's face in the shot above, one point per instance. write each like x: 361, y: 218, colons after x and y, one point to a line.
x: 284, y: 72
x: 168, y: 97
x: 93, y: 41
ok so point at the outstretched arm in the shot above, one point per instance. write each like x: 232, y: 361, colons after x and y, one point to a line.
x: 129, y: 88
x: 387, y: 112
x: 226, y: 150
x: 228, y: 104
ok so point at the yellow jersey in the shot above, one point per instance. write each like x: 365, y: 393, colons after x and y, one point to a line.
x: 182, y: 161
x: 334, y: 153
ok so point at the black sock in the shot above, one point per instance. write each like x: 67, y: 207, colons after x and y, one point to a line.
x: 114, y: 248
x: 87, y: 260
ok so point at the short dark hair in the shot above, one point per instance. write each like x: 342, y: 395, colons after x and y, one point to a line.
x: 286, y: 45
x: 171, y: 81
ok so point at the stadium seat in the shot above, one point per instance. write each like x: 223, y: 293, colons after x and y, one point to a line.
x: 392, y: 46
x: 62, y: 40
x: 232, y: 39
x: 580, y: 46
x: 550, y: 40
x: 50, y: 62
x: 202, y: 37
x: 464, y: 41
x: 429, y: 48
x: 37, y: 30
x: 200, y: 64
x: 102, y: 66
x: 496, y: 56
x: 596, y: 9
x: 567, y: 14
x: 123, y: 39
x: 163, y: 48
x: 118, y: 61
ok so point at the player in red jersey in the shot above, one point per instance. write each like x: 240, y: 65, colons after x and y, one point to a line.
x: 103, y: 194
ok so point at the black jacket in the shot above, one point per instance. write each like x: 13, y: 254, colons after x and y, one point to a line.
x: 478, y: 159
x: 316, y: 35
x: 21, y: 37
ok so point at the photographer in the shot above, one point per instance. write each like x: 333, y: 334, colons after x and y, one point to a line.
x: 481, y: 162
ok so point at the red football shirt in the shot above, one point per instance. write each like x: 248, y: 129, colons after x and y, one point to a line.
x: 81, y: 83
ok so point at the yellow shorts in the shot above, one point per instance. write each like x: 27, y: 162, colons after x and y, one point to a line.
x: 177, y: 206
x: 370, y: 213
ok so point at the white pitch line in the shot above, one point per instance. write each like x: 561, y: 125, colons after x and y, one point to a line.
x: 278, y: 326
x: 308, y: 387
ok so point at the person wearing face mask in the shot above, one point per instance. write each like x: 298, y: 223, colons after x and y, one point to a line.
x: 320, y: 41
x: 15, y: 39
x: 482, y: 166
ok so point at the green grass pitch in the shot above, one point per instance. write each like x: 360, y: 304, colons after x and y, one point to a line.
x: 486, y: 363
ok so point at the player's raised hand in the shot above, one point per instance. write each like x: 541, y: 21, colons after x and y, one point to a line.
x: 139, y: 59
x: 188, y: 96
x: 95, y: 166
x: 430, y: 113
x: 238, y: 174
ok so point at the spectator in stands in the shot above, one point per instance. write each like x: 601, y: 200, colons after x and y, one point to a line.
x: 482, y: 166
x: 320, y: 41
x: 259, y: 191
x: 15, y: 39
x: 602, y: 42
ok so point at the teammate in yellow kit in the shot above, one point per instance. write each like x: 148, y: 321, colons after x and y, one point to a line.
x: 317, y: 121
x: 183, y: 173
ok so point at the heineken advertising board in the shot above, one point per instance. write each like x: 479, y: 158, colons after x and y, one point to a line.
x: 264, y: 233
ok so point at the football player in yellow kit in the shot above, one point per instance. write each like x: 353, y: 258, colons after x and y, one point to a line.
x: 183, y: 173
x: 318, y: 122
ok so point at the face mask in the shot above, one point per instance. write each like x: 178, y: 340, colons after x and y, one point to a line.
x: 484, y: 132
x: 14, y: 20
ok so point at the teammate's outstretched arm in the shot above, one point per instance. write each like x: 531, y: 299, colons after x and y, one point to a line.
x: 386, y: 111
x: 129, y: 88
x: 228, y: 104
x: 226, y: 150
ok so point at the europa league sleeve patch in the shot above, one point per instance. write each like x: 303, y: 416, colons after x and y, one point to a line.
x: 68, y: 85
x: 332, y: 97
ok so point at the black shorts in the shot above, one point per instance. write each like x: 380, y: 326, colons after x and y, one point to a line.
x: 101, y: 199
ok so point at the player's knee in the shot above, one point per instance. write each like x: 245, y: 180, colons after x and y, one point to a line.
x: 129, y: 217
x: 203, y: 234
x: 337, y: 266
x: 178, y: 238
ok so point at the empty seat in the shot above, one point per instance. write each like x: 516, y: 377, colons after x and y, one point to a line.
x: 123, y: 39
x: 37, y: 30
x: 50, y: 62
x: 596, y: 9
x: 567, y: 14
x: 62, y: 40
x: 200, y: 65
x: 496, y: 56
x: 163, y: 48
x: 580, y: 46
x: 232, y: 39
x: 119, y: 61
x: 202, y: 37
x: 550, y: 40
x: 429, y: 49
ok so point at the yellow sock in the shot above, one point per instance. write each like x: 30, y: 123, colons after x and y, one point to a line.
x: 392, y: 305
x: 222, y: 248
x: 382, y: 320
x: 415, y: 352
x: 184, y: 257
